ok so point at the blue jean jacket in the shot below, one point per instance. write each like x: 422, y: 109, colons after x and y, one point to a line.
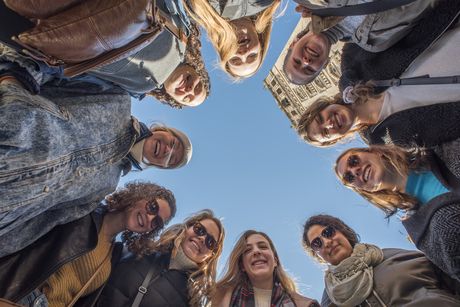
x: 61, y: 152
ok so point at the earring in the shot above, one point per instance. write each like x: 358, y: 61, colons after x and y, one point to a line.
x: 348, y: 96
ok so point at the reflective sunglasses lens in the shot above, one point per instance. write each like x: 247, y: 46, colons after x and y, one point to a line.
x: 316, y: 244
x: 210, y: 242
x: 328, y: 232
x: 157, y: 223
x: 353, y: 161
x: 152, y: 207
x: 199, y: 229
x: 349, y: 177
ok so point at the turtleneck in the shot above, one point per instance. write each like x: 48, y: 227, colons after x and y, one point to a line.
x: 181, y: 261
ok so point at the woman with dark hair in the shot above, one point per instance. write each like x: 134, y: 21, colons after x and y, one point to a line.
x: 360, y: 273
x: 71, y: 263
x: 424, y: 184
x: 254, y: 276
x: 400, y: 114
x: 179, y: 269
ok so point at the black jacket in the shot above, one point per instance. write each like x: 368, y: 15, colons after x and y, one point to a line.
x: 358, y: 64
x: 425, y: 126
x: 27, y: 269
x: 166, y: 288
x: 435, y: 226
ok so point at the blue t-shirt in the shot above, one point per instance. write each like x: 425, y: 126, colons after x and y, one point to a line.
x: 424, y: 186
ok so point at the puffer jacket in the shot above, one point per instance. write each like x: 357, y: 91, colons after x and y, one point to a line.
x: 25, y: 270
x: 166, y: 288
x: 234, y: 9
x: 61, y: 153
x: 406, y: 278
x: 379, y: 31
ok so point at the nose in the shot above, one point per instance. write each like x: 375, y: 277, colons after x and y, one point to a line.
x: 356, y: 170
x: 327, y: 242
x: 306, y: 59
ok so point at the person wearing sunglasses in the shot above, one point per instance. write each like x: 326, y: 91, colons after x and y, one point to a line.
x: 254, y: 276
x: 423, y: 184
x: 64, y: 150
x: 71, y: 263
x: 361, y: 274
x: 179, y: 269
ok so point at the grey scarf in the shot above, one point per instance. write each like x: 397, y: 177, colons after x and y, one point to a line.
x: 351, y: 281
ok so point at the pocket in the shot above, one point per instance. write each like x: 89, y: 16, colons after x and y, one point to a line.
x: 11, y: 94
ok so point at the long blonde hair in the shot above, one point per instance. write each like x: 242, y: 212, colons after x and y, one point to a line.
x: 234, y: 275
x: 402, y: 161
x: 202, y: 282
x: 222, y: 33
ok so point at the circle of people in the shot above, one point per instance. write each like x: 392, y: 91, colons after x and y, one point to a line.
x: 68, y: 71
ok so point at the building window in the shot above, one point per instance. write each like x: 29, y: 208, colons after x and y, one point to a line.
x: 273, y: 82
x: 285, y: 103
x: 294, y: 113
x: 279, y: 91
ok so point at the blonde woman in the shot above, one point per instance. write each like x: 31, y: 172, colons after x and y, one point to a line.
x: 239, y: 31
x: 424, y: 185
x: 254, y: 276
x: 179, y: 270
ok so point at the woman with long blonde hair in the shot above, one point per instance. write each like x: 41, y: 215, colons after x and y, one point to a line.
x: 177, y: 270
x: 422, y: 184
x: 240, y: 32
x: 254, y: 276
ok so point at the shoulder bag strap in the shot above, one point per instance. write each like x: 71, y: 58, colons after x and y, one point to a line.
x: 361, y: 9
x: 421, y: 80
x: 143, y: 287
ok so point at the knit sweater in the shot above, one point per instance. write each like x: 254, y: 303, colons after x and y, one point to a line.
x: 360, y: 65
x: 61, y: 287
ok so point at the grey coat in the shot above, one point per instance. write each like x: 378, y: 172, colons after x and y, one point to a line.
x: 379, y: 31
x: 60, y: 154
x: 234, y: 9
x: 407, y: 278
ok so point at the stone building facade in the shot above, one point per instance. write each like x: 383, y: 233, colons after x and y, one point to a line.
x: 294, y: 99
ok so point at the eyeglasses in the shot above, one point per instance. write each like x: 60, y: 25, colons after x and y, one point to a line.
x: 152, y: 207
x: 352, y: 161
x: 328, y: 232
x: 209, y: 240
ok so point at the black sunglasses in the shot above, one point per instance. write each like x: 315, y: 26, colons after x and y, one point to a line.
x: 152, y: 207
x: 328, y: 232
x: 352, y: 161
x: 209, y: 240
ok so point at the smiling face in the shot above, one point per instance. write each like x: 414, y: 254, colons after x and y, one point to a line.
x: 364, y: 170
x: 185, y: 86
x: 334, y: 249
x: 139, y: 217
x: 248, y: 55
x: 194, y: 246
x: 331, y: 123
x: 163, y: 149
x: 306, y: 58
x: 258, y: 258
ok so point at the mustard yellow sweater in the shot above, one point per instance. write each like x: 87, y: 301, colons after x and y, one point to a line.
x: 61, y: 287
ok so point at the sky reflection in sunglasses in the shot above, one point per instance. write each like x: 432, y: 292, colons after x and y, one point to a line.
x: 317, y: 243
x: 209, y: 240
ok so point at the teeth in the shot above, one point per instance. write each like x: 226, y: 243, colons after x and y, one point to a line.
x: 139, y: 220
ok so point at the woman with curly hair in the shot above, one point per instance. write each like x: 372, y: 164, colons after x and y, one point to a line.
x: 425, y: 185
x: 179, y: 269
x: 400, y: 114
x: 70, y: 263
x: 361, y: 274
x: 254, y: 276
x: 239, y: 31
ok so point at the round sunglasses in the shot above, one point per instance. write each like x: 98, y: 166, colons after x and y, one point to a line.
x: 152, y: 207
x: 209, y: 240
x: 328, y: 232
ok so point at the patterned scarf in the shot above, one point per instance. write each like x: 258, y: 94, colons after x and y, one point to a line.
x: 243, y: 296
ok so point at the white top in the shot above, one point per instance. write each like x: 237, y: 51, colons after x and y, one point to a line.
x: 440, y: 59
x: 262, y: 297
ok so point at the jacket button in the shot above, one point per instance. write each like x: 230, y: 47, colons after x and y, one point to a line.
x: 46, y: 189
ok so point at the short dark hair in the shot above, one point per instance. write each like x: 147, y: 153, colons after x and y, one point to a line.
x: 327, y: 220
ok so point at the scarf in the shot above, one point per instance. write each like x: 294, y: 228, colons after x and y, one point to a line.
x: 351, y: 281
x: 181, y: 262
x: 243, y: 296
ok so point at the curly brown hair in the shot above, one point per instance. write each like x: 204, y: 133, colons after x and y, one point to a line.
x: 327, y: 220
x: 193, y: 58
x: 126, y: 197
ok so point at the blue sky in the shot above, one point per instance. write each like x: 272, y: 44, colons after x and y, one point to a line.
x: 252, y: 169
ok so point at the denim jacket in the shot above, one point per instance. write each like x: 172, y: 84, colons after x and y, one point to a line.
x: 379, y: 31
x: 60, y: 154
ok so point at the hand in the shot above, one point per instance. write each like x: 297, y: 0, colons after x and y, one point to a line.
x: 306, y: 12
